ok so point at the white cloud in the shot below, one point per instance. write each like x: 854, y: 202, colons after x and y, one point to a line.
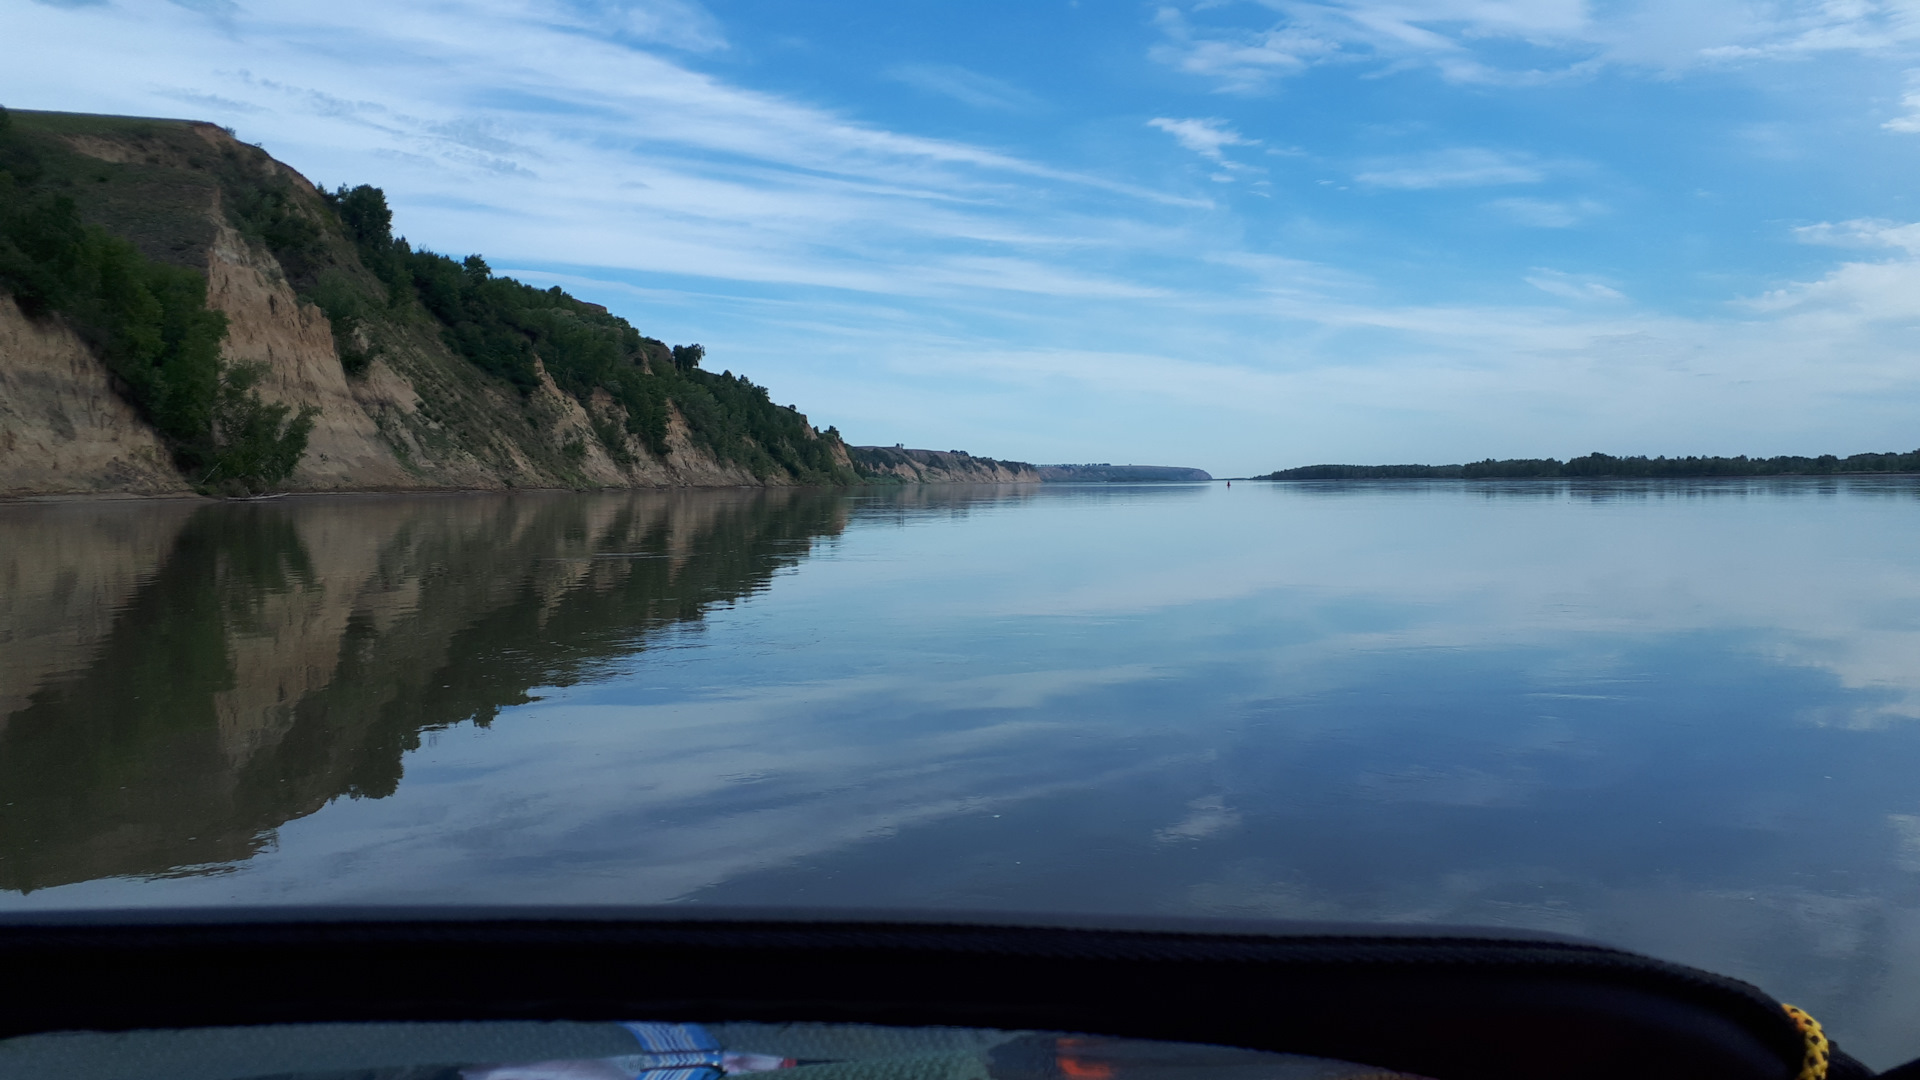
x: 518, y: 127
x: 1459, y: 167
x: 1547, y: 213
x: 1240, y: 61
x: 1440, y: 32
x: 963, y: 85
x: 1851, y: 298
x: 1855, y: 297
x: 1208, y: 137
x: 677, y: 24
x: 1516, y: 41
x: 936, y: 288
x: 1910, y: 101
x: 1559, y: 283
x: 1862, y: 232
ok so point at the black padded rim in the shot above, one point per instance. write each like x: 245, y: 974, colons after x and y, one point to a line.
x: 1440, y: 1002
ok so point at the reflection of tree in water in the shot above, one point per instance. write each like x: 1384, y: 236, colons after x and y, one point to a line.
x: 286, y: 655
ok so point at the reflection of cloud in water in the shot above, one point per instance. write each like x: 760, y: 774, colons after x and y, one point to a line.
x: 1818, y: 580
x: 1587, y: 715
x: 1882, y: 661
x: 1907, y: 826
x: 568, y: 805
x: 1014, y: 690
x: 1448, y: 786
x: 1207, y: 815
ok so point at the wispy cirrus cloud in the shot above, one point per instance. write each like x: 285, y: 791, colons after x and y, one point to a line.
x: 1243, y: 60
x: 1547, y: 213
x: 1246, y: 47
x: 676, y: 24
x: 1862, y: 232
x: 963, y: 85
x: 1464, y: 166
x: 1284, y: 38
x: 1562, y: 284
x: 581, y: 148
x: 1908, y: 124
x: 1206, y: 137
x: 919, y: 286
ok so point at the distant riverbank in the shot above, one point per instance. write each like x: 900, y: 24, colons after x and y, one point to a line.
x: 1607, y: 466
x: 900, y: 464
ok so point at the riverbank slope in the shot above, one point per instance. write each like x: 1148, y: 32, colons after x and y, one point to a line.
x: 417, y: 372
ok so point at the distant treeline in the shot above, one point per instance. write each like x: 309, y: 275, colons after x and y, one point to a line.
x: 1606, y: 465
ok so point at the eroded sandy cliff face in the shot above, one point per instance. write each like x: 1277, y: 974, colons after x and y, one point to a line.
x: 267, y: 324
x: 415, y: 413
x: 366, y: 426
x: 63, y: 428
x: 684, y: 465
x: 938, y: 466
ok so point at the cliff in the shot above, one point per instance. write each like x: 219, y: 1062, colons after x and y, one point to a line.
x: 417, y: 372
x: 897, y: 464
x: 63, y: 427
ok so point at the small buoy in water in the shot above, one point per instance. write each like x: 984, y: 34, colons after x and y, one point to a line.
x: 1229, y: 483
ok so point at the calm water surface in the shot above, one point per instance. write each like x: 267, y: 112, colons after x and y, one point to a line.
x: 1680, y: 717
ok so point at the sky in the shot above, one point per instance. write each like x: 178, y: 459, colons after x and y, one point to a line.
x: 1233, y: 235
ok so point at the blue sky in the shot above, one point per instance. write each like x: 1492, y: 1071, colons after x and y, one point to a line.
x: 1239, y: 236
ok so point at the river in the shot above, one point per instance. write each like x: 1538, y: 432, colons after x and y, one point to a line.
x: 1681, y: 717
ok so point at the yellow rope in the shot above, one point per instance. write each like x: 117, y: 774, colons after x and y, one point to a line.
x: 1814, y: 1065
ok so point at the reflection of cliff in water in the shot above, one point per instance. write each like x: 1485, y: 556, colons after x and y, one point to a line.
x: 273, y: 657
